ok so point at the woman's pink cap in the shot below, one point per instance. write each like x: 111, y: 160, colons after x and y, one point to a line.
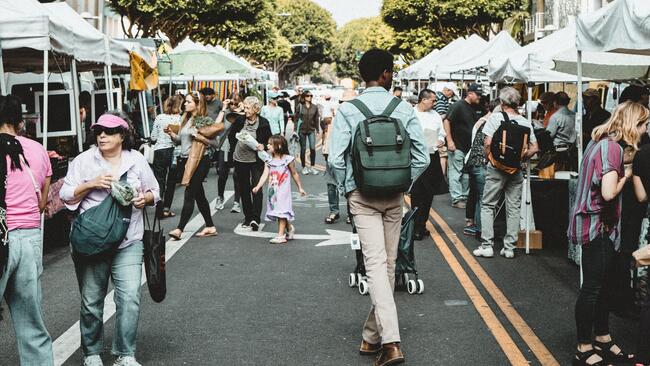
x: 111, y: 121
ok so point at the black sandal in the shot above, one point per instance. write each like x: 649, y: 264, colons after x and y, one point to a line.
x: 332, y: 218
x: 604, y: 350
x: 581, y: 358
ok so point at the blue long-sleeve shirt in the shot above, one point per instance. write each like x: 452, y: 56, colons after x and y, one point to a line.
x: 345, y: 123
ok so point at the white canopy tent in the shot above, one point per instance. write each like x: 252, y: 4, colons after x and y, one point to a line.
x: 479, y: 57
x: 622, y: 27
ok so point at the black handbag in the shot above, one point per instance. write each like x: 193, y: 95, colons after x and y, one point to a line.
x: 154, y: 258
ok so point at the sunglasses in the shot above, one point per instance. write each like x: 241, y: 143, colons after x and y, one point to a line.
x: 108, y: 130
x: 308, y: 96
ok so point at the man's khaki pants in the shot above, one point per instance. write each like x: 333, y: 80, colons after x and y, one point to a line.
x: 378, y: 221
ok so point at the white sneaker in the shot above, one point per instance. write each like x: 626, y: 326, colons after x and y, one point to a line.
x: 278, y: 240
x: 126, y: 361
x: 94, y: 360
x: 482, y: 251
x: 508, y: 253
x: 236, y: 208
x: 220, y: 204
x: 305, y: 171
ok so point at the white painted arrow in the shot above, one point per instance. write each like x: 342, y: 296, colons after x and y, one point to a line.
x: 333, y: 237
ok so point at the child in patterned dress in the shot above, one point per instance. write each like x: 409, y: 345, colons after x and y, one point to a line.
x: 278, y: 167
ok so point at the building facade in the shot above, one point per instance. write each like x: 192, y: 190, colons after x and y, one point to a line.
x: 548, y: 16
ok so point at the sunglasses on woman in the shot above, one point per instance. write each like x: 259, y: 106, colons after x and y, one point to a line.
x: 108, y: 130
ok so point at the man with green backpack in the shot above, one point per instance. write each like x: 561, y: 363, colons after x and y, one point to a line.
x: 377, y: 150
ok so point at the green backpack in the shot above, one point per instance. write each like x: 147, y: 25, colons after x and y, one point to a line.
x: 381, y: 152
x: 100, y: 229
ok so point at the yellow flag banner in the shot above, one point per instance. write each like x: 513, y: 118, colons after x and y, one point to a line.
x: 143, y: 76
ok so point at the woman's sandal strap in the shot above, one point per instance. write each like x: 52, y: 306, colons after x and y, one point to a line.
x: 605, y: 348
x: 582, y: 357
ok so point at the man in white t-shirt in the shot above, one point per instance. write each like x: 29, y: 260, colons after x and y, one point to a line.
x: 498, y: 182
x: 432, y: 181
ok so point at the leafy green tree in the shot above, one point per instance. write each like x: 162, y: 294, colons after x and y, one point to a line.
x: 303, y: 22
x: 426, y: 24
x: 246, y: 26
x: 356, y: 37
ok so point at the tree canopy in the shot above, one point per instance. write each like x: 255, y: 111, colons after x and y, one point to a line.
x: 247, y: 26
x: 304, y: 22
x: 421, y: 25
x: 356, y: 37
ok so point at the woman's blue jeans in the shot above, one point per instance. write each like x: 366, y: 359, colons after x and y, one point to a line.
x: 124, y: 267
x: 475, y: 197
x: 311, y: 137
x: 21, y: 286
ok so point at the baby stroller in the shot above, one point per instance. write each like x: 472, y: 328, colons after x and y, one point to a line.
x: 406, y: 274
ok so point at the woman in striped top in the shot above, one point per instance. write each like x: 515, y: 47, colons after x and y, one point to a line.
x: 595, y: 224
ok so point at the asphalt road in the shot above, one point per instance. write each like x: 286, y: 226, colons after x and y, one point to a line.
x: 238, y: 300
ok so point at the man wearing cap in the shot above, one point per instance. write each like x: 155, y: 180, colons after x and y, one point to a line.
x: 212, y: 103
x: 594, y: 115
x: 561, y: 127
x: 286, y: 106
x: 458, y: 124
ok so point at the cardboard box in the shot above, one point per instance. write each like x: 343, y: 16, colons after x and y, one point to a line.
x: 535, y: 239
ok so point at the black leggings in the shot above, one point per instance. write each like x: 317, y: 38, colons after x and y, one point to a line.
x: 165, y: 175
x: 194, y: 192
x: 596, y: 293
x: 223, y: 170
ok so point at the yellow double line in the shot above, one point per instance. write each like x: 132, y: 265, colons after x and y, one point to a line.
x: 503, y: 338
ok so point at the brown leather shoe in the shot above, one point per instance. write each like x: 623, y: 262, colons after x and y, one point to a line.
x: 390, y: 355
x: 367, y: 349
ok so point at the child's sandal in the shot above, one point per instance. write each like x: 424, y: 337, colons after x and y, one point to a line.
x: 604, y: 350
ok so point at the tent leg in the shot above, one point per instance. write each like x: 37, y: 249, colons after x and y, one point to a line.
x: 75, y: 92
x: 110, y: 86
x: 3, y: 81
x: 46, y: 71
x: 171, y: 69
x: 107, y: 88
x: 529, y: 115
x: 160, y: 99
x: 578, y: 125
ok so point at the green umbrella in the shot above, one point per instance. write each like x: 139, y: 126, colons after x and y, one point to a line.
x: 196, y: 63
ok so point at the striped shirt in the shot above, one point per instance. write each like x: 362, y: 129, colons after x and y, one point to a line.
x: 591, y: 214
x: 442, y: 104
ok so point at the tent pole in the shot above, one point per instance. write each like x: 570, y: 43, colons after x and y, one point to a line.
x: 160, y: 99
x: 171, y: 69
x: 529, y: 115
x: 578, y: 125
x: 107, y: 87
x: 46, y: 66
x: 110, y: 85
x: 3, y: 81
x: 75, y: 92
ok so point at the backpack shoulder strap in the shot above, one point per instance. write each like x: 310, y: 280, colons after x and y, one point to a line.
x: 362, y: 108
x: 506, y: 119
x: 391, y: 107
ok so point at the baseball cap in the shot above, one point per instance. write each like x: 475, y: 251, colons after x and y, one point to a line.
x: 476, y: 88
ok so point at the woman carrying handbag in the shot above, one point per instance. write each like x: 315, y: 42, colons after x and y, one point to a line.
x: 91, y: 180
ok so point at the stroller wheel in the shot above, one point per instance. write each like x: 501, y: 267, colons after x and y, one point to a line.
x: 420, y: 286
x: 352, y: 279
x: 359, y: 278
x: 411, y: 287
x: 406, y: 278
x: 363, y: 287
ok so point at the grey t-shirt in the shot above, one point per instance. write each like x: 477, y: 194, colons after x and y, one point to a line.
x: 243, y: 153
x: 213, y: 108
x: 496, y: 118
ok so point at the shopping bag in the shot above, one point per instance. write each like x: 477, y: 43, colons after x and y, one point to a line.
x: 154, y: 258
x: 196, y: 154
